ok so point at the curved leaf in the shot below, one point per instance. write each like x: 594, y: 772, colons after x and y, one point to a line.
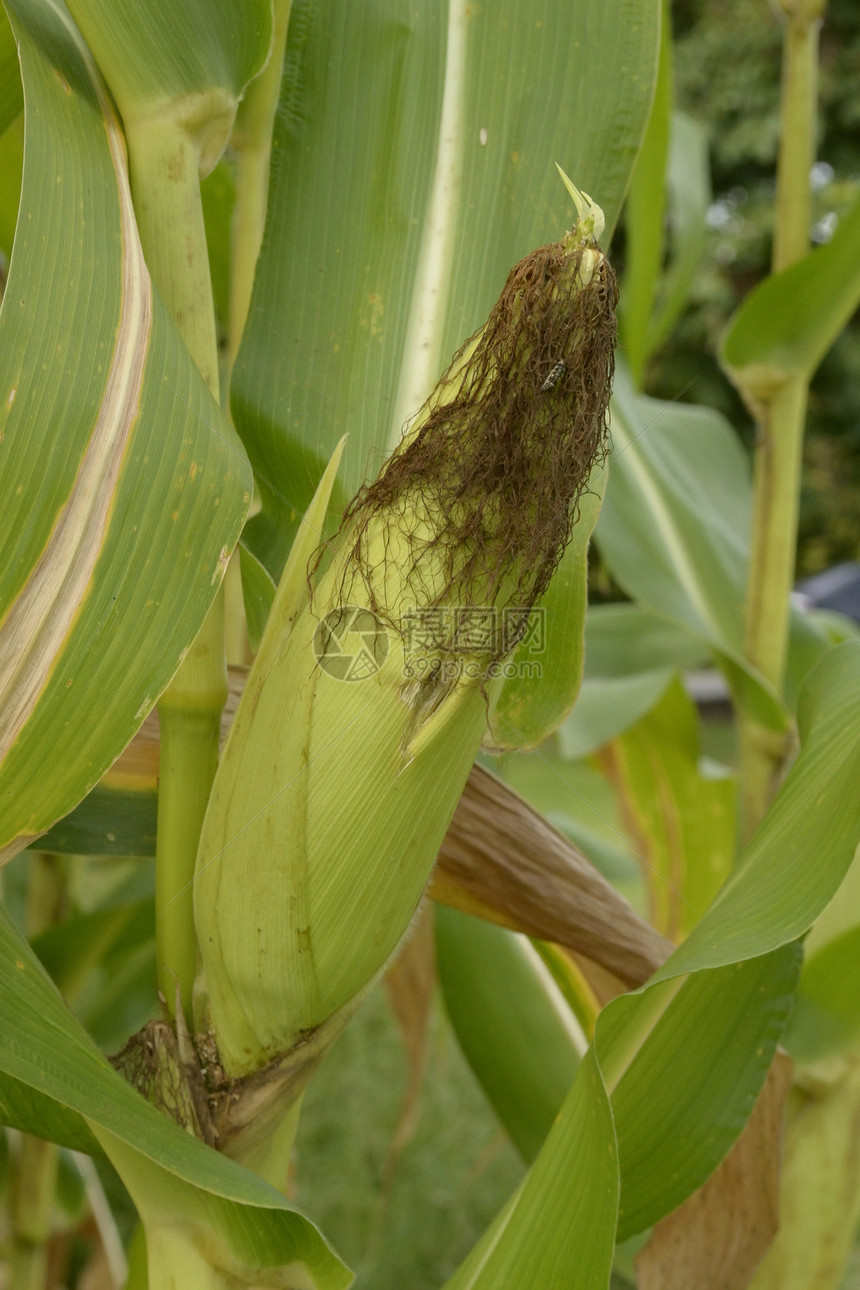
x: 787, y: 324
x: 123, y: 486
x: 11, y: 168
x: 607, y: 706
x: 558, y: 1229
x: 195, y: 77
x: 55, y: 1080
x: 511, y: 1022
x: 680, y: 1091
x: 674, y: 527
x: 621, y: 640
x: 683, y: 822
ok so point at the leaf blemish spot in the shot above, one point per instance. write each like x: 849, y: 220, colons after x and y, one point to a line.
x: 10, y: 397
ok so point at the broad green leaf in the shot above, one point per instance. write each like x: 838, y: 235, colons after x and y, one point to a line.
x: 194, y: 76
x: 644, y: 217
x: 558, y: 1229
x: 689, y: 1090
x: 352, y: 165
x: 607, y: 706
x: 800, y: 853
x: 123, y: 486
x: 682, y: 820
x: 25, y: 1108
x: 674, y: 527
x: 789, y: 872
x: 511, y: 1021
x: 399, y: 204
x: 43, y: 1049
x: 11, y: 99
x: 110, y: 821
x: 621, y: 640
x: 680, y: 1091
x: 195, y: 1237
x: 787, y: 324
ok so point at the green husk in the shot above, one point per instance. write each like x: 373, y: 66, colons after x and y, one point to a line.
x: 334, y: 792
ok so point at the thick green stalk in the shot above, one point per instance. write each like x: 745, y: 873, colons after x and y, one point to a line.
x: 251, y: 141
x: 798, y: 113
x: 33, y: 1187
x: 189, y: 715
x: 166, y: 189
x: 779, y: 446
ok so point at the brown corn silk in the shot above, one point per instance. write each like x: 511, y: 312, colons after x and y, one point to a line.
x: 483, y: 491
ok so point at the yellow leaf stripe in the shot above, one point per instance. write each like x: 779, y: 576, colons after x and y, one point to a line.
x: 40, y: 619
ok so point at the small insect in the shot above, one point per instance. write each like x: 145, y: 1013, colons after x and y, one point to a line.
x: 554, y: 377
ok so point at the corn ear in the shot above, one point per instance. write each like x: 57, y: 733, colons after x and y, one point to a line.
x: 334, y: 792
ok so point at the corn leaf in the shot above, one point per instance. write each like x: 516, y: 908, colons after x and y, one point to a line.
x: 683, y: 822
x: 688, y: 181
x: 515, y: 1029
x: 787, y: 324
x: 558, y: 1229
x: 674, y: 527
x: 195, y: 77
x: 607, y: 706
x: 621, y: 640
x: 56, y: 1082
x: 123, y: 486
x: 681, y: 1092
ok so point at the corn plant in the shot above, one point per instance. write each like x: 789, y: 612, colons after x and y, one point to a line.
x: 306, y: 351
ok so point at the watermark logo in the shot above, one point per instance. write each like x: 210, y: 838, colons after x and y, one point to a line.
x: 467, y: 642
x: 351, y: 643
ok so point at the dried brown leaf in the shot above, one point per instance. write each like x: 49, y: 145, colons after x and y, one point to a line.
x: 503, y: 861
